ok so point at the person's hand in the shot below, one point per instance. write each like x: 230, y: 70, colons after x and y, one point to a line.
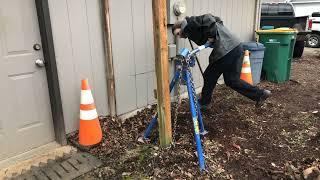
x: 211, y: 40
x: 210, y: 44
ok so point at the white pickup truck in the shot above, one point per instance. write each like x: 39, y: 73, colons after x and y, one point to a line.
x: 313, y: 38
x: 302, y: 9
x: 310, y: 8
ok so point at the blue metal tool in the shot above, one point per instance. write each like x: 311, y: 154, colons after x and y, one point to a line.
x: 185, y: 60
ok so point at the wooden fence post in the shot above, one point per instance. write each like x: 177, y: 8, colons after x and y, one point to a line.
x: 159, y: 10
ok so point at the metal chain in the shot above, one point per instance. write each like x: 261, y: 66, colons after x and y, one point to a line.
x: 194, y: 94
x: 178, y: 103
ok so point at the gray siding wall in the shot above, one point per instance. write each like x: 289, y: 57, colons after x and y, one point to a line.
x: 78, y: 40
x: 133, y: 55
x: 132, y: 43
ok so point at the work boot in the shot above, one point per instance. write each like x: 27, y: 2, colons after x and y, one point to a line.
x: 263, y: 97
x: 203, y: 106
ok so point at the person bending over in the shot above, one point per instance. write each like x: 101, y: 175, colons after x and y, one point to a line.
x: 225, y: 58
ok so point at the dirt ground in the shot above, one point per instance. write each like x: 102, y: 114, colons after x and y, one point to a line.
x: 280, y: 140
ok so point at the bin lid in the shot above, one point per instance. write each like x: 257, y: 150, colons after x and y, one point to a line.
x: 277, y: 31
x: 253, y: 46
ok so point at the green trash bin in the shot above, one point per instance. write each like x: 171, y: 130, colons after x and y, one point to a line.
x: 279, y: 45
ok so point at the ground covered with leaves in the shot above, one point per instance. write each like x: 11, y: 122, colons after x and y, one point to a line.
x: 280, y: 140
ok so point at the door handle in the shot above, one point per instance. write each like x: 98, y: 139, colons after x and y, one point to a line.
x: 40, y: 62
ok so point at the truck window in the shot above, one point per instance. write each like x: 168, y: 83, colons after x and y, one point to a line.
x: 279, y: 9
x: 316, y: 14
x: 273, y: 9
x: 264, y: 9
x: 285, y: 9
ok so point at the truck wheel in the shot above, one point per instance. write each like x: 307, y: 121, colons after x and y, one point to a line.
x: 313, y: 40
x: 298, y: 49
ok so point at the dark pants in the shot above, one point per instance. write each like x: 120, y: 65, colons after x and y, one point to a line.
x: 230, y: 66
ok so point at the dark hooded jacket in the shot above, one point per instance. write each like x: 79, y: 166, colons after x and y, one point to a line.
x: 200, y: 28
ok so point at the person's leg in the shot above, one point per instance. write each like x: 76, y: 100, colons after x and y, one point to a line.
x: 211, y: 76
x: 231, y: 74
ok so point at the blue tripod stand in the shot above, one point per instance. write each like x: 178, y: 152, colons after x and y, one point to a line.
x: 184, y: 61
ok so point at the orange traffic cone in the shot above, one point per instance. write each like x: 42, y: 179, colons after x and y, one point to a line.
x: 89, y: 131
x: 246, y: 69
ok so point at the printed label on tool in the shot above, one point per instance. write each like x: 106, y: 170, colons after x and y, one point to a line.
x: 196, y: 125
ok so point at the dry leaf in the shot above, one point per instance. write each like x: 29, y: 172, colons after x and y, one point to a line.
x: 236, y: 146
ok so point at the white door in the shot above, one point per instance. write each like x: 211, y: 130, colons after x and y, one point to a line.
x: 25, y: 113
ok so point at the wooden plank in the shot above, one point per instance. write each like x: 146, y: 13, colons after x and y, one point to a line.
x: 123, y: 55
x: 159, y: 10
x: 109, y: 71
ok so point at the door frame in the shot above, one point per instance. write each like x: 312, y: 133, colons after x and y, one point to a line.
x: 43, y: 14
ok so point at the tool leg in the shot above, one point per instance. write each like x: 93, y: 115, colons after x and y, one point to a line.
x: 195, y: 122
x: 151, y: 125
